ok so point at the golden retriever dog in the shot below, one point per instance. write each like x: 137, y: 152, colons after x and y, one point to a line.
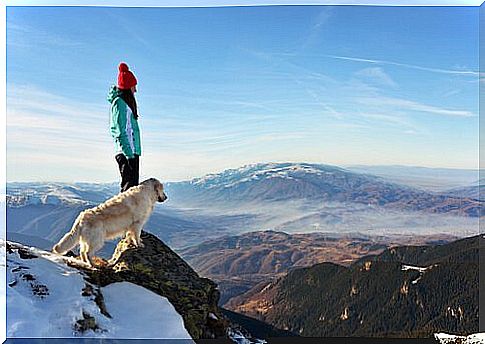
x: 123, y: 214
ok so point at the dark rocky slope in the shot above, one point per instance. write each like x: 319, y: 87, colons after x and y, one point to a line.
x: 411, y: 291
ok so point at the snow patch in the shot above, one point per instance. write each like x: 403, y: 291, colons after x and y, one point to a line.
x: 45, y: 299
x: 421, y: 270
x: 139, y: 313
x: 445, y: 338
x: 233, y: 177
x: 237, y: 337
x: 265, y: 288
x: 410, y: 267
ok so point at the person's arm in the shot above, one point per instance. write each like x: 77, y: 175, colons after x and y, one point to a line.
x: 118, y: 127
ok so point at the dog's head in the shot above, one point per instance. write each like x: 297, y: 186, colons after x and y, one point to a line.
x: 158, y: 187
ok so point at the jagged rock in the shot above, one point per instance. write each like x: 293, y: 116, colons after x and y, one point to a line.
x: 159, y: 269
x: 87, y: 322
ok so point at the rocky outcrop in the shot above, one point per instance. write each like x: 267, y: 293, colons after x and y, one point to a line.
x: 159, y: 269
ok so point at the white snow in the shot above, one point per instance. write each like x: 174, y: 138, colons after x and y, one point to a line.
x: 265, y: 288
x: 156, y: 317
x: 410, y: 267
x: 445, y: 338
x: 239, y: 338
x: 233, y: 177
x: 53, y: 315
x: 135, y: 311
x: 22, y: 194
x: 421, y: 270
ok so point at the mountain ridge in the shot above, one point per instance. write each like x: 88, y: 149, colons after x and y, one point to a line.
x: 287, y: 181
x: 239, y: 262
x: 404, y: 291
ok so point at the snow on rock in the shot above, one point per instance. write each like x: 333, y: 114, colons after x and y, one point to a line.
x: 410, y: 267
x: 47, y: 298
x: 23, y: 194
x: 233, y: 177
x: 239, y: 338
x: 266, y: 288
x: 158, y: 317
x: 421, y: 270
x: 445, y: 338
x: 43, y: 297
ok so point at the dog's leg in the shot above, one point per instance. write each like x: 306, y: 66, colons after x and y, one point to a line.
x: 134, y: 235
x: 130, y: 237
x: 96, y: 242
x: 85, y: 258
x: 137, y: 233
x: 90, y: 259
x: 83, y: 252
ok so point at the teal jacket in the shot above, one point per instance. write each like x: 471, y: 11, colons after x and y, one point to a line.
x: 124, y: 126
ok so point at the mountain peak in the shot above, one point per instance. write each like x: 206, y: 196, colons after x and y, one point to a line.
x: 262, y: 171
x: 159, y: 269
x: 101, y: 302
x: 316, y: 183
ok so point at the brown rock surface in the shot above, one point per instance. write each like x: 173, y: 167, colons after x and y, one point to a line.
x: 159, y: 269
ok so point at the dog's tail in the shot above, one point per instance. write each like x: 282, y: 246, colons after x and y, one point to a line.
x: 69, y: 240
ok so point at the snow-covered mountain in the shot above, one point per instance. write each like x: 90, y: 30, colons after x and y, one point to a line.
x: 290, y: 197
x: 315, y: 182
x: 46, y: 298
x: 22, y: 194
x: 148, y: 293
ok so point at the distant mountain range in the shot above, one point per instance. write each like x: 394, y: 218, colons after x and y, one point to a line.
x: 42, y: 225
x: 289, y: 181
x: 406, y: 291
x: 475, y: 191
x: 428, y: 178
x: 238, y: 263
x: 22, y: 194
x: 323, y: 220
x: 269, y: 182
x: 288, y: 197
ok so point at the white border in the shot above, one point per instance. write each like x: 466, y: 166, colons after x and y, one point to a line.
x: 145, y: 3
x: 219, y: 3
x: 3, y: 171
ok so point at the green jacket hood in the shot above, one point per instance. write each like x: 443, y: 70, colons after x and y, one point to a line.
x: 114, y: 92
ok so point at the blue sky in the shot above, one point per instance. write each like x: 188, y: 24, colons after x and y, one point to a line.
x: 223, y: 87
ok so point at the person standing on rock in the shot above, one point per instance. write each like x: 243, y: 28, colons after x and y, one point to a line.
x: 124, y: 126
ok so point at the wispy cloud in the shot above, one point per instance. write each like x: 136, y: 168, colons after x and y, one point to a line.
x: 409, y: 105
x: 376, y: 75
x: 394, y: 120
x: 317, y: 26
x: 24, y: 36
x: 323, y: 17
x: 125, y: 23
x: 45, y: 131
x: 30, y: 105
x: 405, y: 65
x: 451, y: 93
x: 366, y: 91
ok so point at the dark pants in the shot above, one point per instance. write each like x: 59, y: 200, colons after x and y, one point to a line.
x: 129, y: 170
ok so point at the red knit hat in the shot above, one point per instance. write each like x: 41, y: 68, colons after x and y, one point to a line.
x: 126, y: 79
